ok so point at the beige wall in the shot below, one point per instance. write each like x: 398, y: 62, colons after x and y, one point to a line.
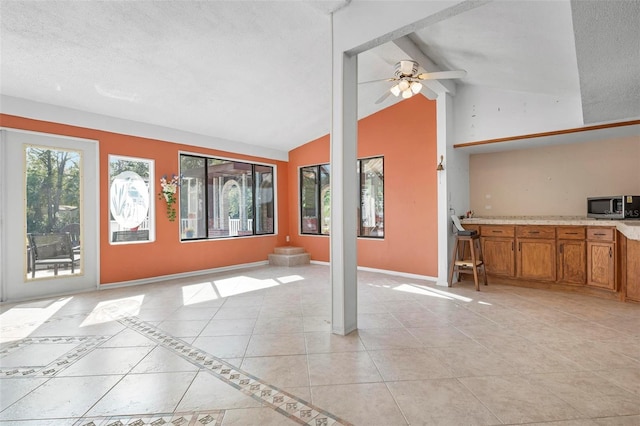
x: 553, y: 180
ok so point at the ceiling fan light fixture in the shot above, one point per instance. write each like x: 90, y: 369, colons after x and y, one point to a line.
x: 403, y: 85
x: 395, y: 90
x: 416, y: 87
x: 406, y: 94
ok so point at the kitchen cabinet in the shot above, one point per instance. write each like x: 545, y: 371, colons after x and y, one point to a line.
x: 632, y: 270
x: 601, y: 266
x: 536, y: 255
x: 498, y: 249
x: 572, y: 255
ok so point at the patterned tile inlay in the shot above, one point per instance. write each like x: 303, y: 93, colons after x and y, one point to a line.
x: 284, y: 403
x: 85, y: 345
x: 201, y: 418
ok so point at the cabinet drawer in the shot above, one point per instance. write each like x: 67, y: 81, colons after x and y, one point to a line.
x: 600, y: 234
x: 571, y: 233
x: 548, y: 232
x: 496, y: 231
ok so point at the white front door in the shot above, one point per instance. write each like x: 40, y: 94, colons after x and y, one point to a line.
x: 49, y: 238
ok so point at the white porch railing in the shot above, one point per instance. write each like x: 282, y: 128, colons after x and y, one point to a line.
x: 115, y: 226
x: 234, y: 226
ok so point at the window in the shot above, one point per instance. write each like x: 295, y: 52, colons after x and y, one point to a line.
x: 371, y: 173
x: 315, y: 198
x: 225, y: 198
x: 130, y: 200
x: 53, y: 195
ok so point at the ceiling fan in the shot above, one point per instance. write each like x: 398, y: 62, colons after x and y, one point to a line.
x: 407, y: 80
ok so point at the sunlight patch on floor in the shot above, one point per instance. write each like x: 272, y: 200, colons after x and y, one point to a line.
x: 110, y: 310
x: 30, y: 316
x: 290, y: 279
x: 428, y: 291
x: 242, y: 284
x: 198, y: 293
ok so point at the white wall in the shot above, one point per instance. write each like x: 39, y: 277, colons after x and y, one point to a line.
x: 553, y: 180
x: 482, y: 113
x: 40, y: 111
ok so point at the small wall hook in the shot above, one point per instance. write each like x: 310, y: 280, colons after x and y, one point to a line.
x: 440, y: 165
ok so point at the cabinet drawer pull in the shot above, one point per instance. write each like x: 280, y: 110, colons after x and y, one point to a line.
x: 534, y: 232
x: 496, y: 232
x: 572, y: 233
x: 599, y: 234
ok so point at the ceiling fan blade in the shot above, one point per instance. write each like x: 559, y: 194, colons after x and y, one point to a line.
x: 377, y: 81
x: 441, y: 75
x: 383, y: 97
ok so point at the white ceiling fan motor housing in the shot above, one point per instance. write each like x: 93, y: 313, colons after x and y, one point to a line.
x: 406, y: 69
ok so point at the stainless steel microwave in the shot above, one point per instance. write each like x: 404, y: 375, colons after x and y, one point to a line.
x: 614, y: 207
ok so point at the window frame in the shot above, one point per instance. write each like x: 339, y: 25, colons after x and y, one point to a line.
x: 318, y: 172
x: 151, y: 217
x: 208, y: 202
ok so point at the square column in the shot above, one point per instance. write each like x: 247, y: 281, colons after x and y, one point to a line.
x: 344, y: 193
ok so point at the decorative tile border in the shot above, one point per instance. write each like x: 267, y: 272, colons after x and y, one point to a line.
x: 85, y: 345
x: 200, y: 418
x: 294, y: 408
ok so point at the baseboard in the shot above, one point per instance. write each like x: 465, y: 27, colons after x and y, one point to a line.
x: 245, y: 266
x: 385, y: 271
x: 182, y: 275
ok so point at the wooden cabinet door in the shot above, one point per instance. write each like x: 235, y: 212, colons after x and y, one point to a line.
x: 498, y: 254
x: 536, y: 259
x: 601, y: 265
x: 633, y: 270
x: 572, y: 261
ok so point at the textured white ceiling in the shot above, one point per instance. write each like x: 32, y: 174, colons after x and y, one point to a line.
x: 609, y: 61
x: 258, y: 72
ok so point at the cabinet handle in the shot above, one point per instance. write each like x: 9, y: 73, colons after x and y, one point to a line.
x: 534, y: 232
x: 520, y: 246
x: 572, y: 233
x: 610, y: 252
x: 511, y: 245
x: 497, y: 232
x: 561, y: 248
x: 599, y: 234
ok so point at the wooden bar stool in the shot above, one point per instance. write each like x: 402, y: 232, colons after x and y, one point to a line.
x: 461, y: 265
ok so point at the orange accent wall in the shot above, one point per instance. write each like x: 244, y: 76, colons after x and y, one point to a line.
x: 405, y: 134
x: 167, y: 255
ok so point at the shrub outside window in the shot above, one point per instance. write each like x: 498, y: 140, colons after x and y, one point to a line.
x: 315, y: 198
x: 225, y: 198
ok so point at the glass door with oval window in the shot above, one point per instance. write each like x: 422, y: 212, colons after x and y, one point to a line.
x: 50, y: 232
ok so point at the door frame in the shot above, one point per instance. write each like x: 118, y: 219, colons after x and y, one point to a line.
x: 14, y: 285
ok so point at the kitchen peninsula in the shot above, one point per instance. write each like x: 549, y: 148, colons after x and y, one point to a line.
x: 596, y: 257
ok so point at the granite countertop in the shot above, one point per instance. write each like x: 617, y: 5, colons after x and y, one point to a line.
x: 628, y: 228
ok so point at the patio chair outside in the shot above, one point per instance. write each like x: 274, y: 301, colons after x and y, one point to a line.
x: 51, y: 249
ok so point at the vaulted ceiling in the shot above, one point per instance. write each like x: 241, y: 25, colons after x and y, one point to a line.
x: 258, y: 72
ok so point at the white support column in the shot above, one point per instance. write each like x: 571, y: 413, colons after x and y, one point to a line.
x: 443, y: 117
x: 344, y: 193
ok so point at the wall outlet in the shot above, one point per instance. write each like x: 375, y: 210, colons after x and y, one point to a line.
x: 287, y: 238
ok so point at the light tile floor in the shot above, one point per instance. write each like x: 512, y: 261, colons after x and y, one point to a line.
x: 254, y: 347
